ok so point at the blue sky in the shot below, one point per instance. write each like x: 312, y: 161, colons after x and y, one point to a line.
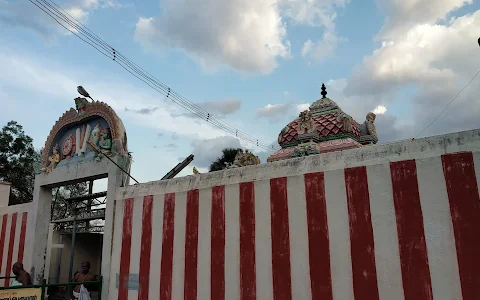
x: 253, y: 63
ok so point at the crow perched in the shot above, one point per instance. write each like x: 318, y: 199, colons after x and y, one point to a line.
x: 479, y: 41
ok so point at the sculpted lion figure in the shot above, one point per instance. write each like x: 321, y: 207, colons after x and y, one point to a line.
x: 370, y: 120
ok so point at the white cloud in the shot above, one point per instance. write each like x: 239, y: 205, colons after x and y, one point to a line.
x: 380, y: 110
x: 302, y: 107
x: 247, y: 35
x: 208, y: 150
x: 273, y: 110
x: 26, y: 14
x: 316, y: 13
x: 403, y: 15
x: 427, y: 58
x: 222, y: 107
x: 322, y: 49
x: 425, y: 54
x: 31, y: 73
x: 281, y: 112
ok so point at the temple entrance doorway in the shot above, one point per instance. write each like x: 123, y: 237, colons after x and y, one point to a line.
x: 75, y: 237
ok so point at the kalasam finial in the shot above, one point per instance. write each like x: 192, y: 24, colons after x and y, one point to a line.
x: 324, y: 91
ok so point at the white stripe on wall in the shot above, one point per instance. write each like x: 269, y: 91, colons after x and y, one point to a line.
x: 179, y: 245
x: 263, y: 240
x: 299, y: 256
x: 339, y: 235
x: 204, y: 243
x: 387, y: 259
x: 442, y: 254
x: 156, y: 251
x: 16, y: 242
x: 232, y: 242
x: 116, y: 248
x: 136, y: 242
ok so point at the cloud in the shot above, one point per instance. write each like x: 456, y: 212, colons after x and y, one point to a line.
x: 27, y: 15
x: 143, y: 111
x: 403, y: 15
x: 33, y: 74
x: 276, y: 112
x: 247, y: 35
x: 380, y: 110
x: 430, y: 62
x: 316, y: 13
x: 223, y: 107
x: 208, y: 150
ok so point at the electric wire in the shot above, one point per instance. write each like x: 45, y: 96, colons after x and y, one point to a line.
x: 446, y: 106
x: 82, y: 32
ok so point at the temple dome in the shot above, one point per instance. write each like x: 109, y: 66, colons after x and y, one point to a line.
x: 328, y: 118
x: 324, y: 127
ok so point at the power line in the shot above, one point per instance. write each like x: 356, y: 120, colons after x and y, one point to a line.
x: 72, y: 25
x: 451, y: 101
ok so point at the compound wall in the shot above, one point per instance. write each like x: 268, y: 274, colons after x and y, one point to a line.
x: 15, y: 230
x: 396, y: 221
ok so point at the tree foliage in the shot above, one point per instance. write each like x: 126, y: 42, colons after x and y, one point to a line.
x: 61, y: 207
x: 227, y: 158
x: 18, y: 159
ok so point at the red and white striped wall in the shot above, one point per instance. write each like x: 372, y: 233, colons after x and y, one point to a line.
x: 13, y: 236
x: 401, y: 230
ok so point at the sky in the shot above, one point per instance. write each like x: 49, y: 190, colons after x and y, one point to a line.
x: 253, y: 64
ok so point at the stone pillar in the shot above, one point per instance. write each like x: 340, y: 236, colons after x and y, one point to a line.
x: 41, y: 210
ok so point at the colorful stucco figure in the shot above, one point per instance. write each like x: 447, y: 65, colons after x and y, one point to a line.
x: 243, y: 159
x: 88, y: 132
x: 324, y: 127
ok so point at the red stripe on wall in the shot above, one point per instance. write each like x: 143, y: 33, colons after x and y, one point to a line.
x: 167, y: 247
x: 462, y: 189
x: 318, y: 241
x: 411, y: 237
x: 281, y: 272
x: 145, y: 248
x: 191, y: 246
x: 247, y: 242
x: 217, y: 259
x: 2, y: 238
x: 11, y: 243
x: 126, y: 249
x: 361, y: 234
x: 23, y: 231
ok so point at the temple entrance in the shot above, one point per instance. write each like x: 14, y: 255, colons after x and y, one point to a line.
x: 75, y: 237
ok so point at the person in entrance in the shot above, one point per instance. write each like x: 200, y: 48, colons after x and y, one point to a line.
x: 21, y: 276
x: 81, y: 277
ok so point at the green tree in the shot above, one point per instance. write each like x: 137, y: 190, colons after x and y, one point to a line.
x: 227, y: 158
x: 17, y: 162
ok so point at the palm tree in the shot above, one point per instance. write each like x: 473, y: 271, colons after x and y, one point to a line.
x: 227, y: 158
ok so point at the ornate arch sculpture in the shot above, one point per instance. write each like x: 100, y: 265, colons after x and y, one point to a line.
x: 85, y: 112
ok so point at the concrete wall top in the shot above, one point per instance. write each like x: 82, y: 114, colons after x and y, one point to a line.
x: 369, y: 155
x: 75, y: 173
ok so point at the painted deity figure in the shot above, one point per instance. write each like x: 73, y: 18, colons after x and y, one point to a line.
x: 81, y: 105
x: 95, y: 134
x: 53, y: 159
x: 105, y: 143
x: 306, y: 124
